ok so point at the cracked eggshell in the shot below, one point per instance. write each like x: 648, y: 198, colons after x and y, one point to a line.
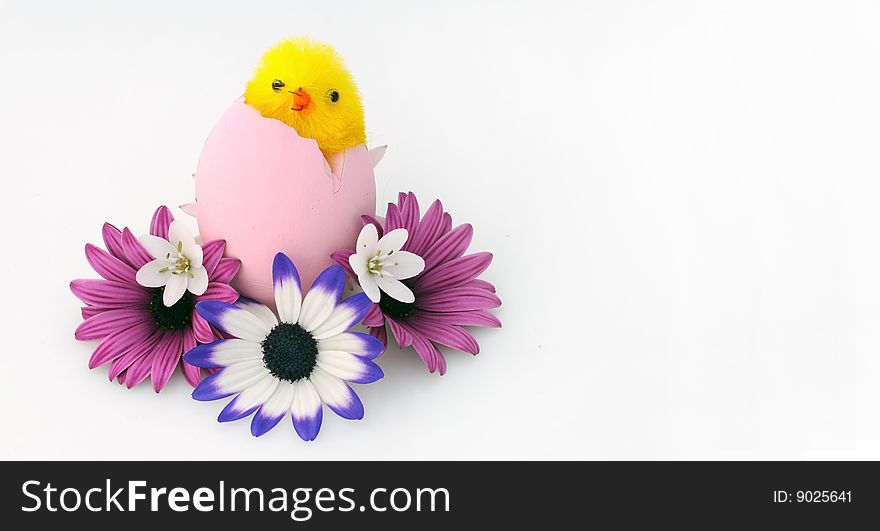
x: 264, y: 189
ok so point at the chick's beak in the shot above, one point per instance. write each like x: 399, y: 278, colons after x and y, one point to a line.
x: 301, y: 99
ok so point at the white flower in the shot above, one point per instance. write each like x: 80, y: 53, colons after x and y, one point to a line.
x: 177, y: 265
x: 380, y: 264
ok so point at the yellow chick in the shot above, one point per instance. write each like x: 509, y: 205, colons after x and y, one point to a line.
x: 305, y: 84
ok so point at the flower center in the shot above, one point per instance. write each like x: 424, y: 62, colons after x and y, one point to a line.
x: 289, y: 352
x: 377, y: 262
x: 374, y: 264
x: 182, y: 265
x: 175, y: 317
x: 396, y: 309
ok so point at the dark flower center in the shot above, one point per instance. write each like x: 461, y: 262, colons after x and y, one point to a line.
x: 394, y: 308
x: 176, y: 317
x: 289, y: 352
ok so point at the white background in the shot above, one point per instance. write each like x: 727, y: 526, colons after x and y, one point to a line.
x: 682, y: 199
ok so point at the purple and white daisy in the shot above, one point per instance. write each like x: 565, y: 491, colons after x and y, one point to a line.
x: 294, y: 362
x: 140, y: 335
x: 447, y: 295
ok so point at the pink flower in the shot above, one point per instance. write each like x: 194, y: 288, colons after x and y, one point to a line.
x: 448, y: 294
x: 140, y: 336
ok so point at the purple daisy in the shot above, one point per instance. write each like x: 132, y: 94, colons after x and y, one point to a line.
x: 293, y: 362
x: 139, y: 335
x: 448, y: 294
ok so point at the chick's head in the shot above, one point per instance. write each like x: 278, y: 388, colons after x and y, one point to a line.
x: 305, y: 84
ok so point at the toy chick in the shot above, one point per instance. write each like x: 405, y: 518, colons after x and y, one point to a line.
x: 305, y: 84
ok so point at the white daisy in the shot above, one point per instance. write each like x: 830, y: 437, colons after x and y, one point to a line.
x: 177, y: 264
x: 292, y: 363
x: 380, y: 264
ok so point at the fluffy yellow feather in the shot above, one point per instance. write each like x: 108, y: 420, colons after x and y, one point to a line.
x: 305, y: 84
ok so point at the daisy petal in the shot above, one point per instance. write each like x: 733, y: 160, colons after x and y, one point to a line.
x: 306, y: 410
x: 288, y: 288
x: 356, y: 343
x: 212, y: 253
x: 403, y: 265
x: 158, y: 247
x: 233, y: 320
x: 249, y: 400
x: 480, y: 284
x: 374, y: 317
x: 91, y: 311
x: 202, y: 329
x: 152, y: 275
x: 107, y: 322
x: 380, y: 334
x: 120, y: 342
x: 343, y: 257
x: 223, y: 352
x: 107, y: 265
x: 428, y: 231
x: 466, y: 318
x: 446, y: 223
x: 135, y: 253
x: 113, y: 241
x: 451, y: 246
x: 374, y: 222
x: 459, y: 299
x: 337, y: 395
x: 392, y: 218
x: 165, y: 361
x: 230, y: 380
x: 162, y: 219
x: 198, y: 284
x: 452, y: 336
x: 140, y: 368
x: 454, y: 273
x: 273, y: 409
x: 259, y: 309
x: 174, y: 290
x: 219, y: 292
x: 392, y: 241
x: 226, y: 270
x: 431, y: 356
x: 409, y: 209
x: 145, y: 348
x: 322, y: 297
x: 395, y: 289
x: 108, y: 293
x: 192, y: 374
x: 349, y: 367
x: 347, y: 314
x: 403, y: 337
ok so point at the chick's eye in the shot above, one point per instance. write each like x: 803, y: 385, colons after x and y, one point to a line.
x: 333, y: 95
x: 277, y: 84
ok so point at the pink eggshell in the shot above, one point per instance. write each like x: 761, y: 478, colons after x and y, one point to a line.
x: 264, y: 189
